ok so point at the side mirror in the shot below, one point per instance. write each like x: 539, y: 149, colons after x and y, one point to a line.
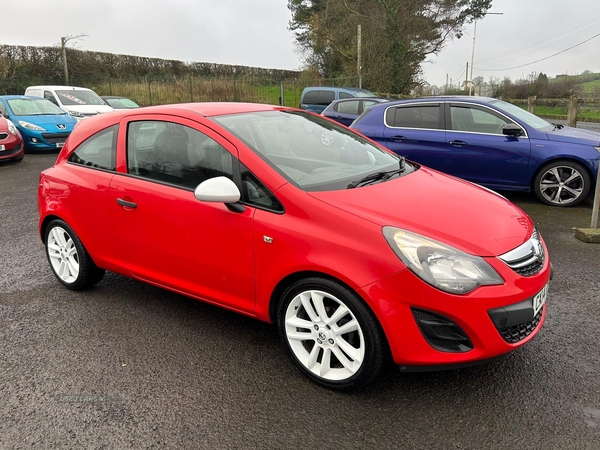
x: 510, y: 129
x: 218, y: 189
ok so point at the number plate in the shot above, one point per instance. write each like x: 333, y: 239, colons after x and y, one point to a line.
x: 60, y: 144
x: 2, y: 148
x: 539, y: 299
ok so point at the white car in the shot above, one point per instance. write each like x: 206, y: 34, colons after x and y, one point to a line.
x: 77, y: 101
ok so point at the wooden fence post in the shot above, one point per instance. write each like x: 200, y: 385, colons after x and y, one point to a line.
x: 572, y: 111
x: 531, y: 104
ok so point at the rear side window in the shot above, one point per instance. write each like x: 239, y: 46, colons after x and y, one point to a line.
x: 417, y: 116
x: 98, y: 151
x: 350, y: 107
x: 326, y: 97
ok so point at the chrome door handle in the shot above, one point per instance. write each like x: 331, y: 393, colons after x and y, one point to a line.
x: 458, y: 143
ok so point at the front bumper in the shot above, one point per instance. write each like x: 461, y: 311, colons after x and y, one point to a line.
x: 13, y: 147
x: 44, y: 140
x: 479, y: 315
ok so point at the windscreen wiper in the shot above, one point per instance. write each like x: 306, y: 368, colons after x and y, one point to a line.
x: 377, y: 176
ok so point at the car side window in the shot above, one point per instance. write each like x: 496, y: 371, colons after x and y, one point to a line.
x: 345, y: 95
x: 255, y: 193
x: 311, y: 98
x: 326, y: 97
x: 3, y: 109
x: 416, y: 116
x: 98, y: 151
x: 175, y: 154
x: 476, y: 120
x: 350, y: 107
x: 49, y: 96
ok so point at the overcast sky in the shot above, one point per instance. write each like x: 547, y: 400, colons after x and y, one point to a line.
x: 254, y: 33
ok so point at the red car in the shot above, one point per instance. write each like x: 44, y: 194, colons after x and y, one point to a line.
x: 354, y: 253
x: 11, y: 142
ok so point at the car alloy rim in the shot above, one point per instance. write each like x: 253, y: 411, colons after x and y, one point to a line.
x: 561, y: 184
x: 63, y: 255
x: 324, y: 335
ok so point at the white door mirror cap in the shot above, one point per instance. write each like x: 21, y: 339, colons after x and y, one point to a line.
x: 217, y: 189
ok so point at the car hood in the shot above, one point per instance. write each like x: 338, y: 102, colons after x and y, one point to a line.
x: 575, y: 136
x: 49, y: 121
x: 88, y: 109
x: 447, y: 209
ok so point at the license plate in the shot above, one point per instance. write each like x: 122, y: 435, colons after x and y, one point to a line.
x: 2, y: 148
x: 60, y: 144
x: 539, y: 299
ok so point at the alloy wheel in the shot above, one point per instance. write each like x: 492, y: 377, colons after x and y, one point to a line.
x: 561, y: 185
x: 63, y: 255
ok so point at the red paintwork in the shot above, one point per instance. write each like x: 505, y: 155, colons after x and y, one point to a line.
x: 208, y: 252
x: 10, y: 142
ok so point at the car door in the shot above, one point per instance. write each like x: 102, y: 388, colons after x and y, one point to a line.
x: 416, y: 131
x: 165, y: 235
x: 478, y: 150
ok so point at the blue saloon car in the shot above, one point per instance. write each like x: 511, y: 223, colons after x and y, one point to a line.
x: 43, y: 125
x: 489, y: 142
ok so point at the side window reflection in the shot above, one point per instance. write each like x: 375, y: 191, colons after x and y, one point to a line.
x: 174, y: 153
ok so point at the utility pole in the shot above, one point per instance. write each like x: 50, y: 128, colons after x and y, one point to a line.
x: 473, y: 51
x: 467, y: 77
x: 446, y: 91
x: 358, y: 50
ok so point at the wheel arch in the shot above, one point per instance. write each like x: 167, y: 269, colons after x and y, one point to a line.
x: 558, y: 158
x: 44, y: 225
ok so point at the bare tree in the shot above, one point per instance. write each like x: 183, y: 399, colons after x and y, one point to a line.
x: 63, y: 43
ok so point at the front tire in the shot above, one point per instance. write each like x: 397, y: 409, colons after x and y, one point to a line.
x: 562, y: 183
x: 330, y: 334
x: 69, y: 260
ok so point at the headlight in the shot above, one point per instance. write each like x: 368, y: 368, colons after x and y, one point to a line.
x: 30, y: 126
x: 76, y: 113
x: 11, y: 127
x: 440, y: 265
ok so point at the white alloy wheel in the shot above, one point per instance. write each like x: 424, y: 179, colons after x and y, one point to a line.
x: 63, y: 255
x: 324, y: 335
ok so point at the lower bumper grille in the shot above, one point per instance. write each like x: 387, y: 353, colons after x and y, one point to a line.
x: 55, y: 138
x: 441, y: 333
x: 3, y: 136
x: 17, y: 149
x: 517, y: 333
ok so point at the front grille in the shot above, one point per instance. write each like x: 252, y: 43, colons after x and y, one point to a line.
x: 441, y: 333
x: 3, y: 136
x: 55, y: 138
x: 517, y: 333
x: 528, y: 258
x: 17, y: 149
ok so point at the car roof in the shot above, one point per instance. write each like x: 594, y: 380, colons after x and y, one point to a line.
x: 54, y: 87
x: 445, y: 98
x: 339, y: 88
x: 113, y: 96
x: 17, y: 97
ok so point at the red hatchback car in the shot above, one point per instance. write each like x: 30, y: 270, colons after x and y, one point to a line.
x: 354, y: 253
x: 11, y: 142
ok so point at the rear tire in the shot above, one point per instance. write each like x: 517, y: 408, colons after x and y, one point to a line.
x: 331, y: 335
x: 562, y: 183
x: 68, y: 258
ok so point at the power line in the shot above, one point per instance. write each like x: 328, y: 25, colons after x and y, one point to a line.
x: 543, y: 59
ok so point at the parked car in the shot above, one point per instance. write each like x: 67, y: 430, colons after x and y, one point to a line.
x: 42, y: 124
x: 317, y: 98
x: 287, y: 217
x: 347, y: 110
x: 489, y: 142
x: 117, y: 102
x: 77, y: 101
x: 11, y: 143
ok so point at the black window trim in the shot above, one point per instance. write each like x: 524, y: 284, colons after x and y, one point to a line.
x: 253, y: 205
x: 437, y: 103
x: 113, y: 171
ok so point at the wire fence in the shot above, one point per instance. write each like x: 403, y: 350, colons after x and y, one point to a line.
x: 149, y: 91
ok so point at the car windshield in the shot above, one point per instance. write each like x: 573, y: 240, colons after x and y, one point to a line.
x: 363, y: 93
x: 524, y: 116
x: 121, y: 103
x: 74, y: 97
x: 310, y: 151
x: 33, y: 107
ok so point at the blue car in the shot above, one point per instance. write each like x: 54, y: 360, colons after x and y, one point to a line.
x: 43, y: 125
x: 317, y: 98
x: 347, y: 110
x: 489, y: 142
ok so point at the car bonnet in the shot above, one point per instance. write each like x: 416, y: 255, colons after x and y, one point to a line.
x: 447, y: 209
